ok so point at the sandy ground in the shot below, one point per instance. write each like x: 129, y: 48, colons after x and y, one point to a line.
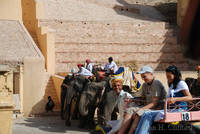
x: 45, y: 125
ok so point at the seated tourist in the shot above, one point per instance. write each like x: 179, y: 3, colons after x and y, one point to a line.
x: 153, y: 91
x: 178, y: 94
x: 89, y: 65
x: 83, y: 71
x: 111, y: 67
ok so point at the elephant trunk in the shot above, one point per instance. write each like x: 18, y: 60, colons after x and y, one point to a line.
x: 83, y: 105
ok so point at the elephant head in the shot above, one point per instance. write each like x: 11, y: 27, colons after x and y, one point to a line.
x: 91, y: 95
x: 75, y: 87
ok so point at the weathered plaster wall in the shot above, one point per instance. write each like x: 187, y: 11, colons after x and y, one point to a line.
x: 33, y: 86
x: 6, y: 121
x: 32, y: 11
x: 6, y: 102
x: 11, y: 10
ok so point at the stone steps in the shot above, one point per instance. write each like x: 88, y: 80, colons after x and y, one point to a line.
x: 110, y: 32
x: 125, y: 41
x: 140, y: 41
x: 51, y: 91
x: 120, y: 56
x: 116, y: 47
x: 157, y: 66
x: 98, y: 10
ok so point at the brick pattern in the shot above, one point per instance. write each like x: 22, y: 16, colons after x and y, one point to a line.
x: 15, y: 43
x: 51, y: 91
x: 124, y: 41
x: 102, y: 10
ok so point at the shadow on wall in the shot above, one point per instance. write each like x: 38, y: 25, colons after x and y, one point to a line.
x: 138, y: 11
x: 48, y: 124
x: 40, y: 106
x: 170, y: 52
x: 190, y: 31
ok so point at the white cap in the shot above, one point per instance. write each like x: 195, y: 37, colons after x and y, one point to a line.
x: 73, y: 70
x: 145, y: 69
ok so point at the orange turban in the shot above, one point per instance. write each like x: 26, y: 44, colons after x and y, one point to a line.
x: 115, y: 81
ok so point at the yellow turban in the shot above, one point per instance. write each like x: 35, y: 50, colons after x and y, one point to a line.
x: 115, y: 81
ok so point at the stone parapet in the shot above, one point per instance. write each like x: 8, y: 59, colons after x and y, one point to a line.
x: 6, y: 100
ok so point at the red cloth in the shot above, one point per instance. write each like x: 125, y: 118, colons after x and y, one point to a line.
x: 79, y: 65
x: 101, y: 75
x: 88, y: 60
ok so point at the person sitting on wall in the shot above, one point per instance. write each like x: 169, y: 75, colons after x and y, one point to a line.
x: 89, y: 65
x: 111, y: 67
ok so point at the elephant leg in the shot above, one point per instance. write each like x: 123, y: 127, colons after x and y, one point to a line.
x: 68, y: 118
x: 91, y: 123
x: 83, y: 121
x: 100, y: 115
x: 73, y: 106
x: 76, y: 110
x: 63, y: 95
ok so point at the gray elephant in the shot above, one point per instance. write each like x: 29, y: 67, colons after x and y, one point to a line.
x: 89, y: 101
x: 64, y: 86
x: 194, y: 86
x: 98, y: 95
x: 73, y: 89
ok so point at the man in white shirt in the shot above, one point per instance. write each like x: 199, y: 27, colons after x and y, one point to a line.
x: 111, y: 67
x: 83, y: 71
x: 89, y: 65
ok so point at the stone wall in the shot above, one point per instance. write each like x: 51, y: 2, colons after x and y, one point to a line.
x: 126, y: 42
x: 6, y: 100
x: 10, y: 10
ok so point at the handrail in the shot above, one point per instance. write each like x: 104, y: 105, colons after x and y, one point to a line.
x: 177, y: 116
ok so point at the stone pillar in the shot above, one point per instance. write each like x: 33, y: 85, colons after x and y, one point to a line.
x: 181, y: 11
x: 6, y: 99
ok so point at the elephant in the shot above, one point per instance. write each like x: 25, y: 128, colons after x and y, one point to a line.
x: 98, y: 95
x: 64, y: 86
x: 74, y: 87
x: 89, y: 100
x: 194, y: 86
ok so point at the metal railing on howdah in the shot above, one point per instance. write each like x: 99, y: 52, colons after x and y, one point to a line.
x: 189, y: 112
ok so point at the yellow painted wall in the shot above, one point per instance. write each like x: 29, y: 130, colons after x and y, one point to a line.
x: 29, y: 16
x: 6, y: 121
x: 33, y: 86
x: 21, y: 87
x: 57, y: 80
x: 182, y: 8
x: 32, y: 12
x: 6, y: 102
x: 10, y: 10
x: 46, y: 42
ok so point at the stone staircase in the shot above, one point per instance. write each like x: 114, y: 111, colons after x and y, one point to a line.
x: 146, y: 42
x: 51, y: 91
x: 98, y: 30
x: 129, y: 32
